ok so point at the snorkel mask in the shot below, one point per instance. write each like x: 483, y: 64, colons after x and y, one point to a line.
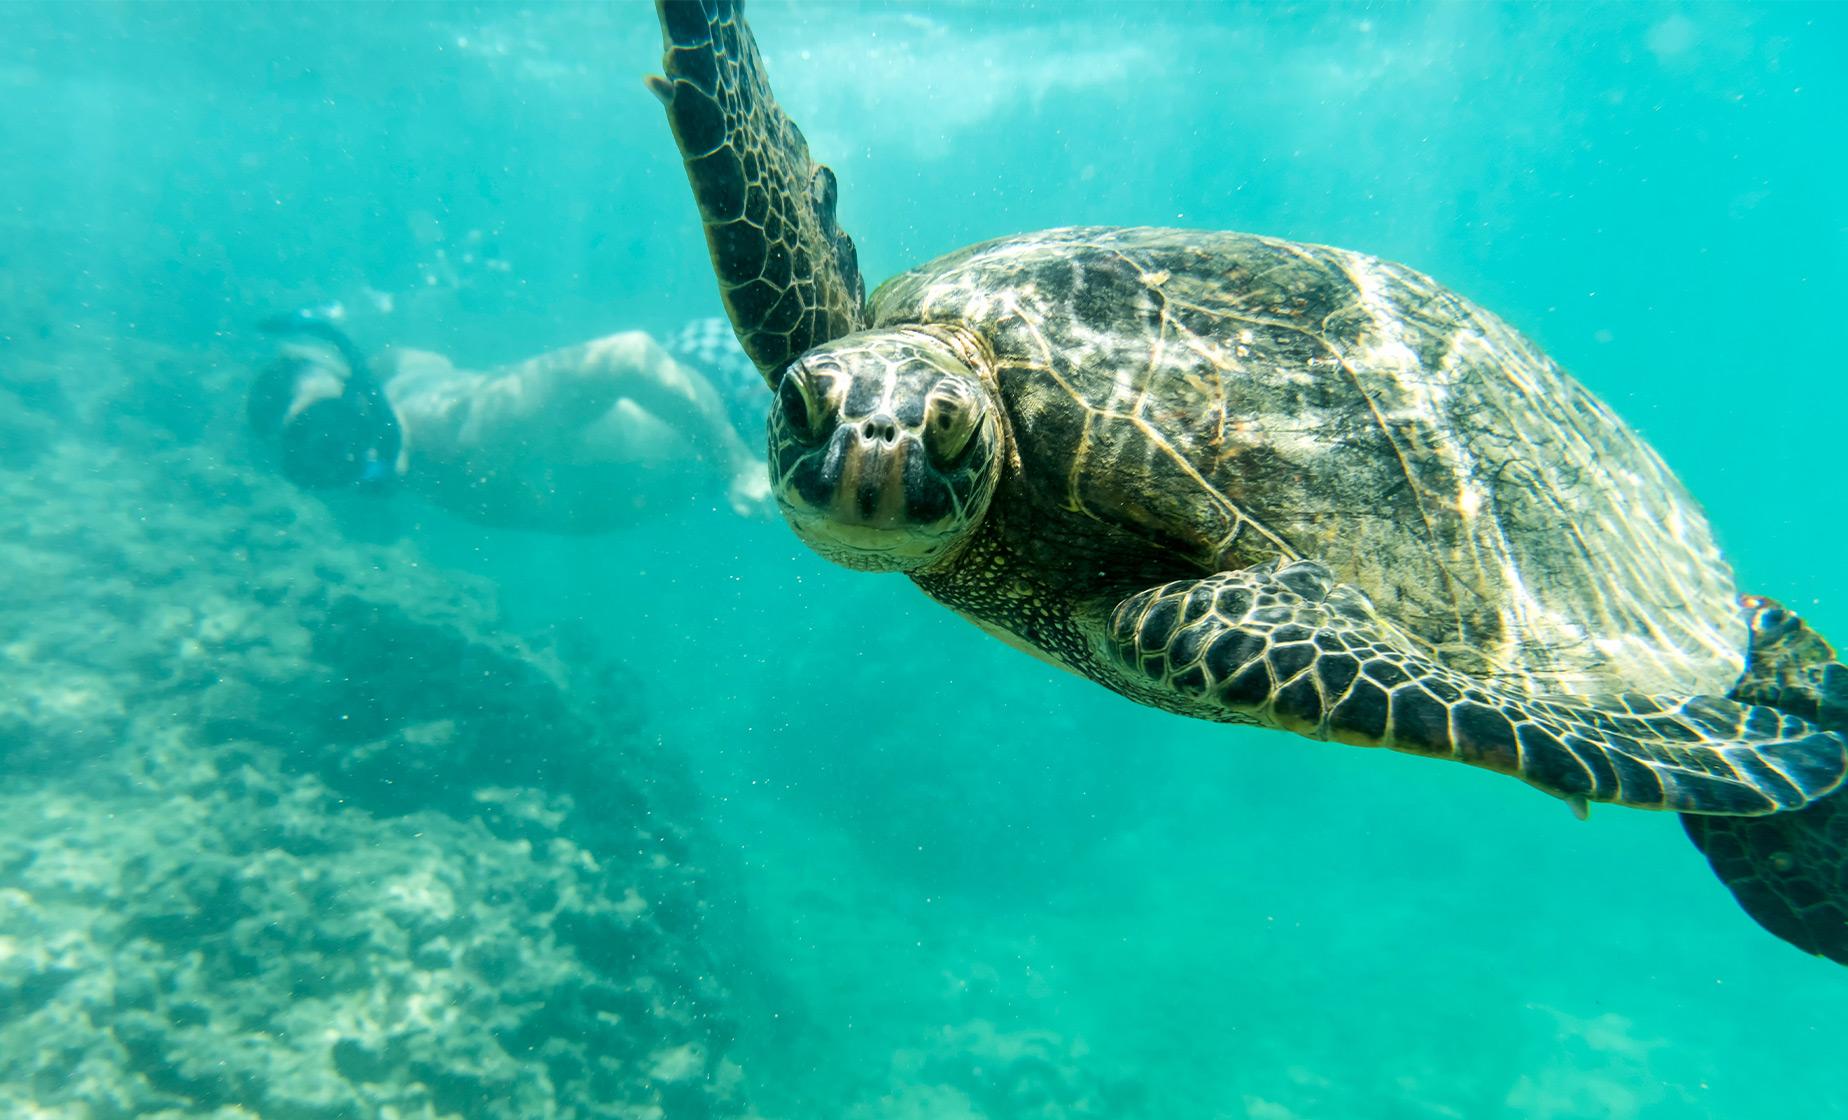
x: 347, y: 440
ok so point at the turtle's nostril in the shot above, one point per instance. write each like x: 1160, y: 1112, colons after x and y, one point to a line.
x: 879, y: 429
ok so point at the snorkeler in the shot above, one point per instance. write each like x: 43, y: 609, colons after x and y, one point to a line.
x: 580, y: 440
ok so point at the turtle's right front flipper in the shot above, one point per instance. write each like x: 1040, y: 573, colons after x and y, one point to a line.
x: 788, y: 273
x: 1789, y: 871
x: 1288, y: 647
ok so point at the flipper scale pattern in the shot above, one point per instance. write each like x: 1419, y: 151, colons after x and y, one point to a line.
x: 1788, y: 871
x: 788, y: 274
x: 1286, y: 647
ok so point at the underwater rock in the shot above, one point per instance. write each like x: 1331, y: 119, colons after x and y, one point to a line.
x: 979, y: 1071
x: 291, y: 829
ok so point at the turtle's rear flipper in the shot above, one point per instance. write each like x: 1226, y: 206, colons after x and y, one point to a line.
x: 1789, y: 871
x: 1287, y: 647
x: 788, y: 273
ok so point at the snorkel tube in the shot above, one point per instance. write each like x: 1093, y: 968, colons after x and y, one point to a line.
x: 351, y: 440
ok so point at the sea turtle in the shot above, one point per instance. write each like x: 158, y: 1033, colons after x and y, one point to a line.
x: 1263, y: 482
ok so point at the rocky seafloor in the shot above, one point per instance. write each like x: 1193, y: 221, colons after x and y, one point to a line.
x: 292, y: 827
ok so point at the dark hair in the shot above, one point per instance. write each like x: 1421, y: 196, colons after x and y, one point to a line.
x: 331, y: 444
x: 348, y: 441
x: 272, y: 393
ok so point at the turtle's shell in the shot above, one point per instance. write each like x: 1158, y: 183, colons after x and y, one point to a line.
x: 1235, y: 398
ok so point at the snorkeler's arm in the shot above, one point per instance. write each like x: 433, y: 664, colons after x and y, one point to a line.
x: 546, y: 396
x: 578, y: 384
x: 683, y: 399
x: 558, y: 406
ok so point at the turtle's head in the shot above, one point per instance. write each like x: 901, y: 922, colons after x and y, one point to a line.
x: 885, y: 447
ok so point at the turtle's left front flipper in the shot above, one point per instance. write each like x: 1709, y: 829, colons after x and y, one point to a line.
x: 1288, y: 647
x: 1789, y: 871
x: 788, y: 273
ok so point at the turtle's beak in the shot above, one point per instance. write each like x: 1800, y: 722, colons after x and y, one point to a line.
x: 865, y: 468
x: 872, y: 479
x: 869, y: 498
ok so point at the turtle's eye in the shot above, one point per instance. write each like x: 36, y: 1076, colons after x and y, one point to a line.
x: 949, y: 422
x: 806, y: 412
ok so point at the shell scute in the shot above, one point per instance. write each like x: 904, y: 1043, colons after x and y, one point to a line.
x: 1229, y: 399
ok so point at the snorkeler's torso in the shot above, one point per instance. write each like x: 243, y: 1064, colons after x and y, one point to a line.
x: 525, y: 447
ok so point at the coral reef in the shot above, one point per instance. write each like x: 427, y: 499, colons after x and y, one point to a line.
x: 979, y: 1071
x: 290, y: 828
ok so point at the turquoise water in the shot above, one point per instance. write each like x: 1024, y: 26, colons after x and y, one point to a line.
x: 944, y: 880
